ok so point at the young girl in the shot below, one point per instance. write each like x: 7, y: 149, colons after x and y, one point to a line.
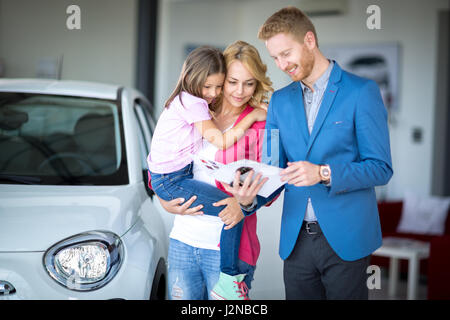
x: 178, y: 134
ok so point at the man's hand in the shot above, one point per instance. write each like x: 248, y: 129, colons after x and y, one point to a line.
x: 247, y: 192
x: 232, y: 214
x: 175, y: 206
x: 301, y: 174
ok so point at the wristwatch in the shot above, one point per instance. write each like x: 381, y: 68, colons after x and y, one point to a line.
x: 249, y: 208
x: 325, y: 173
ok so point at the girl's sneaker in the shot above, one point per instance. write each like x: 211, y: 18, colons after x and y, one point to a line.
x: 230, y: 288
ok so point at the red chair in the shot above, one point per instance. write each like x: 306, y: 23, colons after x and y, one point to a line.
x: 390, y: 214
x: 439, y: 268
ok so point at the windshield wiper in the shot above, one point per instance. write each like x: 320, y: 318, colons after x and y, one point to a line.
x: 20, y: 179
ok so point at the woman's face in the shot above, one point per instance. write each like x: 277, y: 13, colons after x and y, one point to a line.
x: 239, y: 85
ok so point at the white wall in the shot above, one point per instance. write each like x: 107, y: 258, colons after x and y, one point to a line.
x: 188, y: 22
x: 103, y: 50
x: 411, y: 23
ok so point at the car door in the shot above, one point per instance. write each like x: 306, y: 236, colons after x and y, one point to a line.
x: 146, y: 126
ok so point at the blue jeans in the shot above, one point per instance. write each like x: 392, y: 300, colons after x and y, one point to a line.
x: 180, y: 184
x: 193, y: 272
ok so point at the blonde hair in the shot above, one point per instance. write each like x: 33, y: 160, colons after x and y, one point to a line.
x: 198, y: 66
x: 287, y: 20
x: 249, y: 57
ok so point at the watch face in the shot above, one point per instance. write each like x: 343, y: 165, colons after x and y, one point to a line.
x: 325, y: 172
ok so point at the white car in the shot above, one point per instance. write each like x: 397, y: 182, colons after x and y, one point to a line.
x: 77, y: 220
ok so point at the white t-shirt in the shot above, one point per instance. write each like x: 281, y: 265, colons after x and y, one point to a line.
x: 199, y: 231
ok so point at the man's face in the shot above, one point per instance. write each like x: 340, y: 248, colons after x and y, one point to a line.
x: 291, y: 56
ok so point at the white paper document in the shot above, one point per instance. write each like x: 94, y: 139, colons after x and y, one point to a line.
x: 226, y: 172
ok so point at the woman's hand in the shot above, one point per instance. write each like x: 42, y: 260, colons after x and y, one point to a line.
x: 245, y: 192
x: 232, y: 214
x: 259, y: 114
x: 175, y: 206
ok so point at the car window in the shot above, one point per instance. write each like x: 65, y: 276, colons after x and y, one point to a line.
x: 61, y: 139
x: 146, y: 125
x: 145, y: 130
x: 142, y: 147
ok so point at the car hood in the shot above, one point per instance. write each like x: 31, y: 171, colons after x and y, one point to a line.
x: 33, y: 218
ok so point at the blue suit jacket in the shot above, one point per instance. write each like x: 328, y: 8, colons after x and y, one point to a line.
x: 351, y: 135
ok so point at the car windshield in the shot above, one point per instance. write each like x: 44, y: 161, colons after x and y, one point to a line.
x: 50, y: 139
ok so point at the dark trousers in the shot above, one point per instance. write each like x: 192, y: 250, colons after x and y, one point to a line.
x: 314, y: 271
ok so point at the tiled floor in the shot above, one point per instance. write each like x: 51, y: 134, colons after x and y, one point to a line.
x: 382, y: 294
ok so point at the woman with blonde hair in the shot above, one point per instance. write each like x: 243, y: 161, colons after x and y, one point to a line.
x: 194, y: 256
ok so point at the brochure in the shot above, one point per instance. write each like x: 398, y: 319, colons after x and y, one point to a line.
x: 226, y: 172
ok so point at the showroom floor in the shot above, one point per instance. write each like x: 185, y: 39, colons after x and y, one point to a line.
x: 382, y: 294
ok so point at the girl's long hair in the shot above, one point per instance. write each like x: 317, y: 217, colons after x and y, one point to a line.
x: 199, y: 64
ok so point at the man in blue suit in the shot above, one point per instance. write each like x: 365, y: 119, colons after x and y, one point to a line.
x: 334, y: 146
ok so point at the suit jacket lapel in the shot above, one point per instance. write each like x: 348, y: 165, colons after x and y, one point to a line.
x: 327, y: 102
x: 298, y: 112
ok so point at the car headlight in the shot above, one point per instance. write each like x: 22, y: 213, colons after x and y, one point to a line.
x: 86, y: 261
